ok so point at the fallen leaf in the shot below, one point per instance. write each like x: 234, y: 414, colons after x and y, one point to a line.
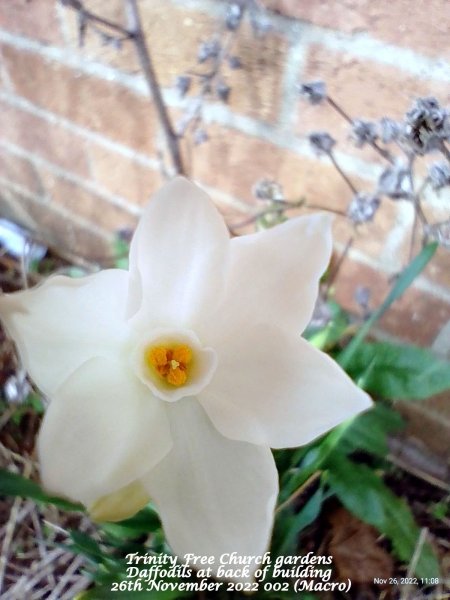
x: 356, y: 553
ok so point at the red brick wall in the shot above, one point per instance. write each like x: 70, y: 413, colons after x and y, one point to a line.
x: 81, y: 147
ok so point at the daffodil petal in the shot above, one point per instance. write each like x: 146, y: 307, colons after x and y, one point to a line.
x: 215, y: 496
x: 64, y: 322
x: 176, y: 257
x: 273, y: 276
x: 274, y: 388
x: 102, y: 431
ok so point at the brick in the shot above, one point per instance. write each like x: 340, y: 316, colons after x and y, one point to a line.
x: 37, y: 19
x: 429, y: 422
x: 438, y: 269
x: 102, y: 106
x: 19, y: 170
x: 123, y: 176
x: 233, y: 162
x: 88, y: 205
x: 416, y: 317
x: 364, y: 89
x: 256, y: 89
x: 94, y: 46
x: 46, y: 140
x: 53, y: 227
x: 424, y: 29
x: 174, y: 36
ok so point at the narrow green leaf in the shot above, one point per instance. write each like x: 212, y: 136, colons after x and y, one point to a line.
x: 403, y: 282
x: 12, y: 484
x: 365, y: 495
x: 87, y: 546
x: 144, y: 522
x: 295, y: 523
x: 400, y: 372
x: 326, y: 337
x: 369, y: 431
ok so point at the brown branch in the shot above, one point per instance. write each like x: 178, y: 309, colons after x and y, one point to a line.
x: 87, y: 14
x: 138, y: 37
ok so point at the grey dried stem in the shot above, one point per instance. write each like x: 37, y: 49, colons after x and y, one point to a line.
x: 135, y: 34
x: 381, y: 151
x: 214, y: 53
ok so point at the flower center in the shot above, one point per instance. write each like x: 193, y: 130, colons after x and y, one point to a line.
x: 171, y: 363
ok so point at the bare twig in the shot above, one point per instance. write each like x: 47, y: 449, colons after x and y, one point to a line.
x: 76, y: 563
x: 341, y: 172
x: 13, y: 520
x: 281, y: 207
x: 415, y: 197
x: 136, y: 34
x: 381, y: 151
x: 138, y: 37
x: 414, y: 560
x: 90, y: 16
x: 299, y: 491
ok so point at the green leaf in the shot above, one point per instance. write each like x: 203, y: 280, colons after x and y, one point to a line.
x: 12, y: 484
x: 334, y: 330
x: 365, y: 495
x: 403, y: 282
x: 400, y: 372
x: 87, y: 546
x: 369, y: 431
x: 144, y: 522
x: 293, y: 524
x: 121, y: 250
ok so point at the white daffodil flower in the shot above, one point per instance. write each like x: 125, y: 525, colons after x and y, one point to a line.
x: 172, y: 381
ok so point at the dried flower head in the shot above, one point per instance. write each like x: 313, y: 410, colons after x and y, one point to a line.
x: 439, y: 175
x: 390, y: 130
x: 208, y: 50
x: 234, y: 62
x: 363, y: 208
x: 234, y: 16
x: 364, y: 132
x: 395, y: 182
x: 439, y: 232
x: 200, y: 136
x: 321, y: 142
x: 223, y: 91
x: 183, y: 84
x: 268, y: 189
x: 427, y: 124
x: 314, y: 91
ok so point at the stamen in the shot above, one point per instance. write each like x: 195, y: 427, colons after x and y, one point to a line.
x: 170, y: 363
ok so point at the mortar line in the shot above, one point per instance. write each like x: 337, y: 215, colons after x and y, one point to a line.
x: 361, y: 45
x: 60, y: 172
x: 57, y: 209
